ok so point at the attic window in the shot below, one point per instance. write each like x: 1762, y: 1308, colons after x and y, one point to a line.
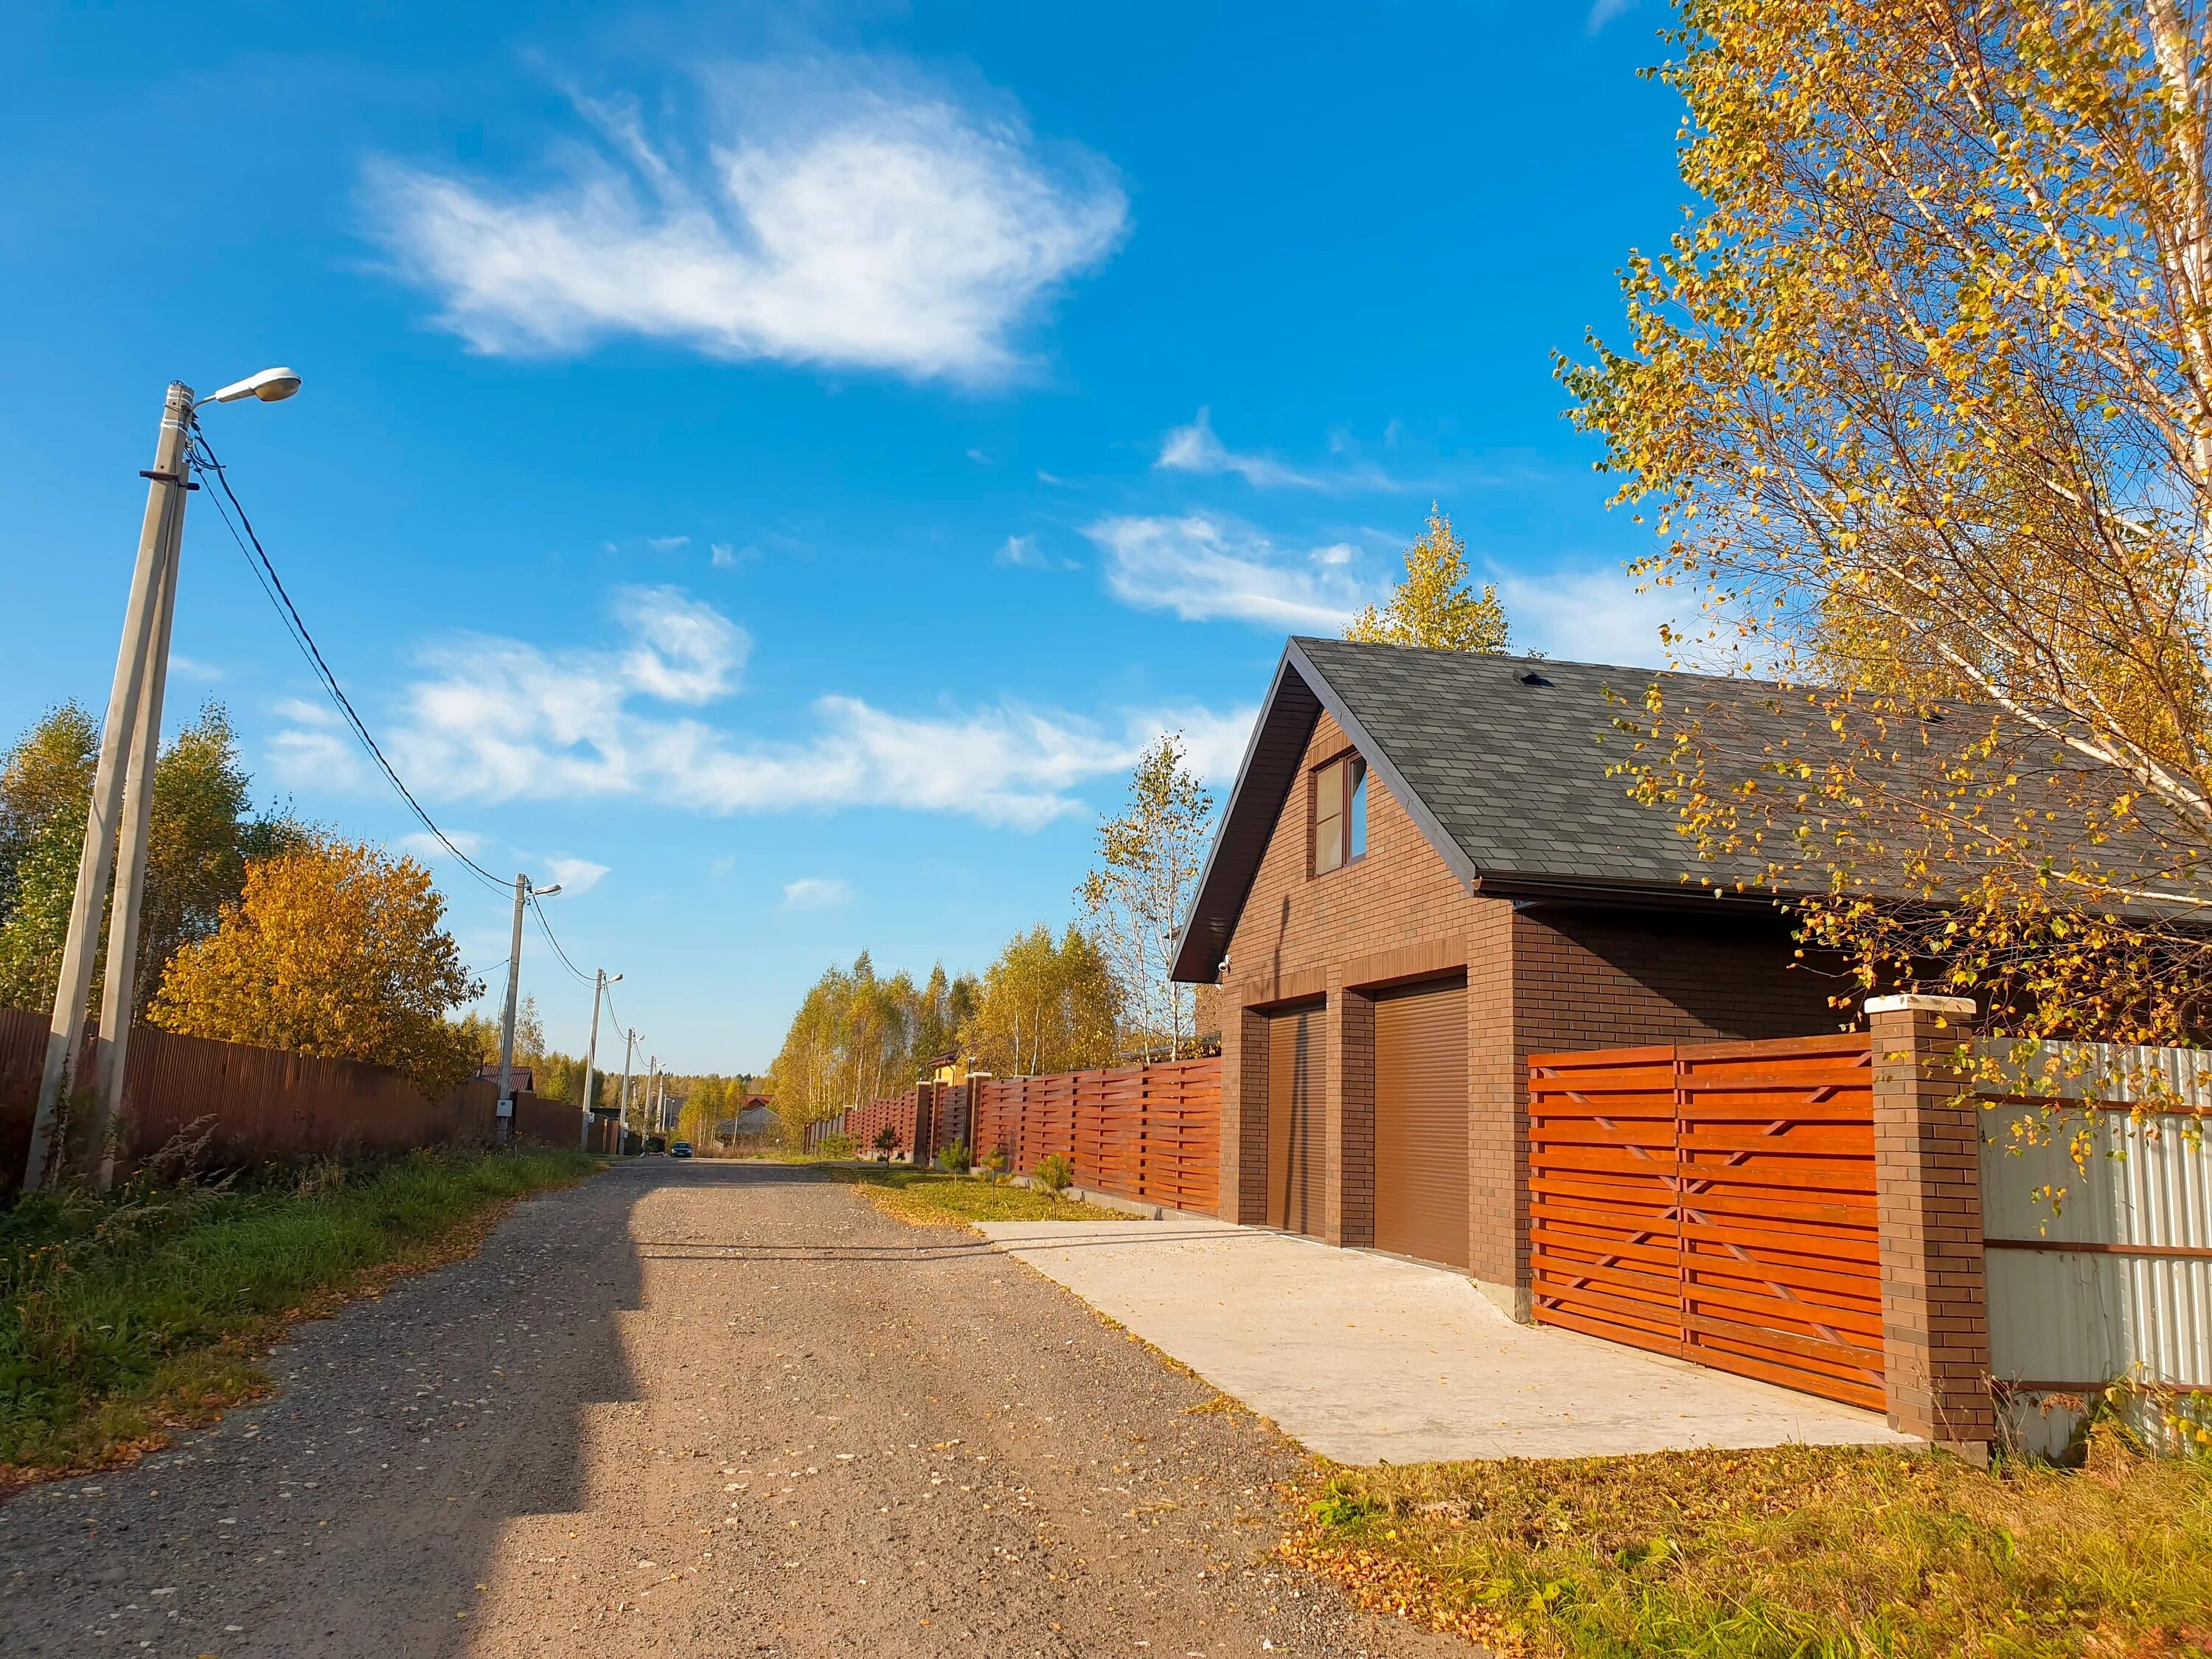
x: 1340, y: 814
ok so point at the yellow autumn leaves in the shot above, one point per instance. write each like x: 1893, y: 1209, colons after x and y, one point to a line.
x: 336, y: 949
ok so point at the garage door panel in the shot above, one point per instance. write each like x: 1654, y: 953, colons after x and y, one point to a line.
x: 1421, y: 1122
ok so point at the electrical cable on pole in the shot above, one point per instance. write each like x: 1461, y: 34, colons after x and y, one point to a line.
x: 129, y: 740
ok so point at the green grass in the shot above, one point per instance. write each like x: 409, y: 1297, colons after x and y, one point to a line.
x: 122, y: 1318
x: 936, y: 1199
x: 1796, y: 1552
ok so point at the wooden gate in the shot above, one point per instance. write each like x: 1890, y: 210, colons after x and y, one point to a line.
x: 1714, y: 1202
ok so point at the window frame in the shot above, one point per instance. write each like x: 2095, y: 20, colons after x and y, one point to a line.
x: 1354, y: 771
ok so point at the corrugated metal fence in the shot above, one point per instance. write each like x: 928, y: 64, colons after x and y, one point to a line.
x: 2101, y: 1268
x: 266, y: 1106
x: 1151, y: 1134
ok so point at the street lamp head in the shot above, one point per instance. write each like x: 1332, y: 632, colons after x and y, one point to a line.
x: 271, y: 385
x: 547, y: 892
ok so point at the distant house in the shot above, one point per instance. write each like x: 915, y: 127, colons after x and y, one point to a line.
x: 523, y: 1077
x: 758, y: 1121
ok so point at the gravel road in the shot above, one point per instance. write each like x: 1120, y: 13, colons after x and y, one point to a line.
x: 706, y: 1409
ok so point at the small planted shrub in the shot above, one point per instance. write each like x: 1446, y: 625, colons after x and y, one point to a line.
x: 994, y: 1163
x: 836, y: 1147
x: 956, y: 1158
x: 887, y: 1142
x: 1054, y: 1174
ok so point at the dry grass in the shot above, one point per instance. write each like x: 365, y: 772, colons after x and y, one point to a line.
x: 123, y: 1319
x: 948, y: 1201
x: 1796, y: 1552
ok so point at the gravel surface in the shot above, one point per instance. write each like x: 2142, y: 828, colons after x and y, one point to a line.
x: 699, y: 1409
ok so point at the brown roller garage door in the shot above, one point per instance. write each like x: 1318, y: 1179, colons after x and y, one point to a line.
x: 1421, y: 1121
x: 1294, y: 1122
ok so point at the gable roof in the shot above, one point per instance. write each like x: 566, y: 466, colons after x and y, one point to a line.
x: 1503, y: 762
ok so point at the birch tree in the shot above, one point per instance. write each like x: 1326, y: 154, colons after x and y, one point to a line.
x: 1921, y: 396
x: 1149, y: 862
x: 1434, y: 606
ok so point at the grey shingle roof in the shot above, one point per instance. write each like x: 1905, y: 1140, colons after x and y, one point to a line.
x: 1512, y: 782
x: 1520, y: 776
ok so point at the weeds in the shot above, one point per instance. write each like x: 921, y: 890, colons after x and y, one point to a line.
x: 121, y: 1317
x: 1812, y: 1553
x: 954, y: 1200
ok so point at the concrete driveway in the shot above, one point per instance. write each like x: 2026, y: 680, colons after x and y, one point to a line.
x: 1368, y: 1359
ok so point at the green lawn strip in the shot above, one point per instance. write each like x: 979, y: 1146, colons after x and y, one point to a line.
x: 123, y: 1318
x: 919, y: 1196
x: 1796, y: 1552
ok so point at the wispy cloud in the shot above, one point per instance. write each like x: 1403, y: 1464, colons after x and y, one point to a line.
x: 501, y: 720
x: 1201, y: 568
x: 1602, y: 12
x: 1594, y: 614
x: 668, y: 544
x: 1194, y: 448
x: 426, y: 849
x: 190, y: 668
x: 845, y: 213
x: 575, y: 876
x: 1197, y: 448
x: 817, y: 893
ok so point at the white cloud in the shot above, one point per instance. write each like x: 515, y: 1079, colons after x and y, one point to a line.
x: 1194, y: 448
x: 1602, y: 12
x: 1200, y: 567
x: 190, y: 668
x: 844, y: 214
x: 1593, y: 615
x: 816, y: 893
x: 500, y: 720
x: 315, y: 748
x: 668, y: 544
x: 681, y: 649
x: 1213, y: 745
x: 1021, y: 551
x: 429, y: 849
x: 574, y: 875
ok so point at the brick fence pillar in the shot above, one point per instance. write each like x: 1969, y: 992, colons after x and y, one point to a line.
x: 1927, y: 1181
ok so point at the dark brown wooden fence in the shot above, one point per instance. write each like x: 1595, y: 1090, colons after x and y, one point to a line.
x: 267, y: 1106
x: 1715, y: 1201
x: 1148, y: 1133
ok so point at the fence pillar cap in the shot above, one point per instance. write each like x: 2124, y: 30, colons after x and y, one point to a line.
x: 1963, y: 1006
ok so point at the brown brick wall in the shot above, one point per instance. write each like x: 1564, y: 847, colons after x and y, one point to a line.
x: 1539, y: 978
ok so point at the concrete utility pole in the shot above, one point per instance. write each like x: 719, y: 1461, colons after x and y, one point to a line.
x: 523, y: 890
x: 629, y: 1048
x: 122, y: 795
x: 600, y: 984
x: 648, y: 1108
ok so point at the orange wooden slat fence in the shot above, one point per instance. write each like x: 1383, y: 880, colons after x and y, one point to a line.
x: 1151, y: 1134
x: 265, y: 1105
x: 1715, y: 1201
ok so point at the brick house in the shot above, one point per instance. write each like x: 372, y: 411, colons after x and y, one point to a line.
x: 1425, y: 873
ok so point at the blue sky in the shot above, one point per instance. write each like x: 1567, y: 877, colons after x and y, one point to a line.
x: 772, y: 466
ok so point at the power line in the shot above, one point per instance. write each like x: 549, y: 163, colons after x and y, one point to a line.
x: 273, y: 584
x: 546, y: 929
